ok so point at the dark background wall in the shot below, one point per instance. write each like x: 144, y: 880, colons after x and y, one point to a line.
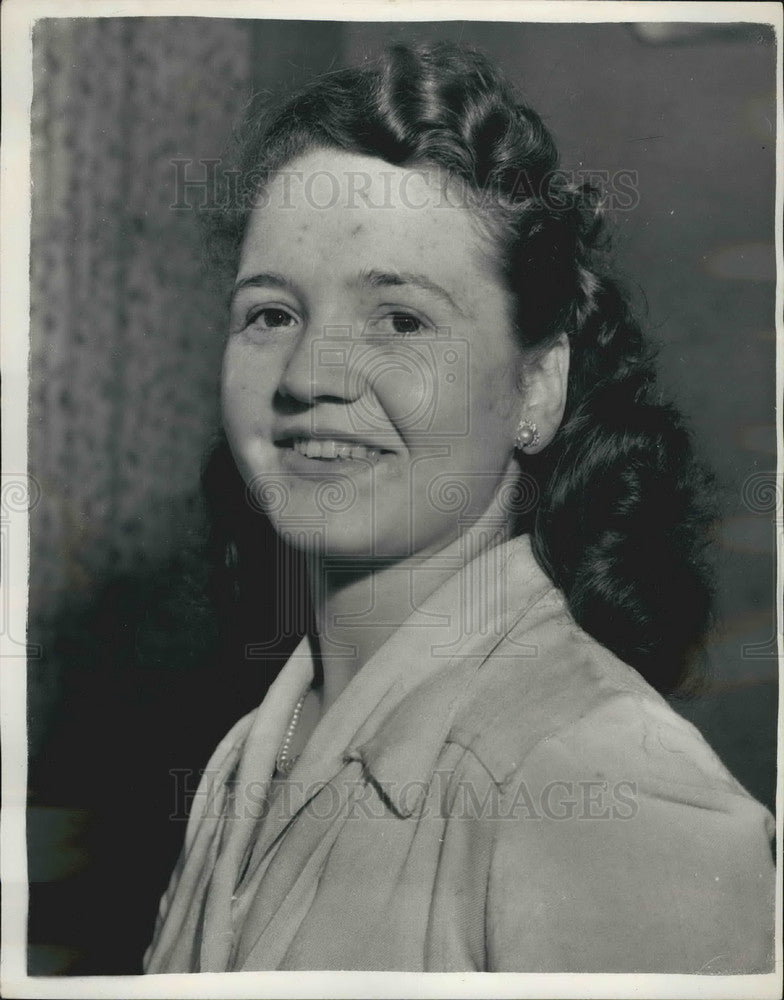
x: 126, y: 338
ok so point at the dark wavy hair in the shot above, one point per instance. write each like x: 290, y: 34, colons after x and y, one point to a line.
x: 623, y: 515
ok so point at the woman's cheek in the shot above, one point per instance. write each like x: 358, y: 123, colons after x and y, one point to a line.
x: 233, y: 391
x: 395, y: 401
x: 423, y: 391
x: 248, y: 371
x: 244, y: 413
x: 494, y: 392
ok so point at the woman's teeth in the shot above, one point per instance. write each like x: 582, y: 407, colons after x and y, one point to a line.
x: 335, y: 450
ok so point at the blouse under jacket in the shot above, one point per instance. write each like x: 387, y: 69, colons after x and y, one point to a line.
x: 498, y: 793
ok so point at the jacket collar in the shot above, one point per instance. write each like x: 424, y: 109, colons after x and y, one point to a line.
x: 399, y: 743
x: 396, y: 713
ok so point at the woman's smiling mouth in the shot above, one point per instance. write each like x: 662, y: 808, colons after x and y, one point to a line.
x: 333, y: 449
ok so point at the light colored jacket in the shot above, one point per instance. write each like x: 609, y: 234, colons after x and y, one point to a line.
x: 497, y: 793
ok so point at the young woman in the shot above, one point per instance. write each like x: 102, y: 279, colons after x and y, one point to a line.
x: 438, y: 397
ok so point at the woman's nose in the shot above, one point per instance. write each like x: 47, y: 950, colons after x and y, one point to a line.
x: 321, y: 365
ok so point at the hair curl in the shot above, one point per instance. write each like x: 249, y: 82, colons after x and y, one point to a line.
x: 623, y: 514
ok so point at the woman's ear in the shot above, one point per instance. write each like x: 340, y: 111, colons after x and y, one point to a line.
x: 545, y: 385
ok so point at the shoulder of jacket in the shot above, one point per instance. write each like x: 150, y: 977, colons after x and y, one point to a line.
x: 232, y: 743
x: 552, y: 690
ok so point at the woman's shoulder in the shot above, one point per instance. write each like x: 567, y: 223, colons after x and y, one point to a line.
x: 614, y: 821
x: 552, y: 699
x: 227, y: 752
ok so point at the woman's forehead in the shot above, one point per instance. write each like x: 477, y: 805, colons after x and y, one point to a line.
x: 333, y: 205
x: 331, y: 178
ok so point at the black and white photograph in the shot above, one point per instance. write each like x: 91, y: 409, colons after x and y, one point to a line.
x: 391, y: 499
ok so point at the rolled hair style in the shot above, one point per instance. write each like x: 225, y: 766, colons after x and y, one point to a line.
x: 623, y: 513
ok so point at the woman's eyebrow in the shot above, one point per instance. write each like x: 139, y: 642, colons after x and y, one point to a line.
x: 373, y: 278
x: 264, y: 279
x: 391, y: 279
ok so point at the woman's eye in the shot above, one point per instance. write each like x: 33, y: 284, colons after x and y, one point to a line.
x: 271, y: 318
x: 403, y: 324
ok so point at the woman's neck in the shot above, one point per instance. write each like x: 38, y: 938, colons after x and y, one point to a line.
x: 356, y: 612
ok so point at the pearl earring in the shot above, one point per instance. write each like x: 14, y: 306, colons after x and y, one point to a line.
x: 527, y: 435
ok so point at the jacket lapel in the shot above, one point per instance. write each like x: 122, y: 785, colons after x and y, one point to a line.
x: 388, y: 728
x: 494, y: 592
x: 395, y: 714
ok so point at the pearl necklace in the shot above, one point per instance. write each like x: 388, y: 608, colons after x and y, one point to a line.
x: 285, y: 761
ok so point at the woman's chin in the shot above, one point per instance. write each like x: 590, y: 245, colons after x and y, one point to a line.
x: 348, y: 536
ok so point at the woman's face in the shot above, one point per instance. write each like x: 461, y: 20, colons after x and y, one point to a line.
x: 370, y: 380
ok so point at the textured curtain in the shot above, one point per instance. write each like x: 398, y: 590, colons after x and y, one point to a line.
x: 126, y: 339
x: 126, y: 333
